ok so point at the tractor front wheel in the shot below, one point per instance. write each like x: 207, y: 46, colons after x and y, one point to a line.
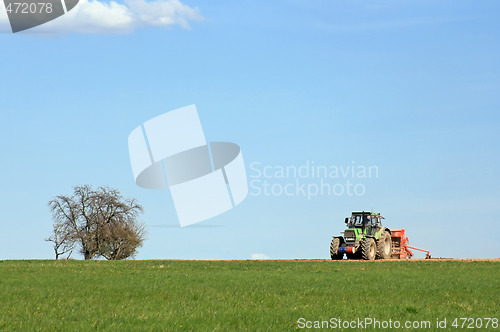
x: 368, y: 249
x: 334, y: 249
x: 384, y: 246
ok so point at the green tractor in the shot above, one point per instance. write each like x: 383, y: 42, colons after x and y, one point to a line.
x: 364, y: 238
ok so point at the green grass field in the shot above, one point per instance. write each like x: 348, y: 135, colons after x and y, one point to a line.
x: 241, y: 295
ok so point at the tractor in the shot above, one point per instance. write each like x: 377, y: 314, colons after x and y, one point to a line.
x: 364, y: 238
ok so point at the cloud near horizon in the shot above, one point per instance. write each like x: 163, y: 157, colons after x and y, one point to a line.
x: 94, y: 16
x: 260, y: 256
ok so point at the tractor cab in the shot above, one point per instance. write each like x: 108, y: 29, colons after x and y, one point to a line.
x: 364, y: 220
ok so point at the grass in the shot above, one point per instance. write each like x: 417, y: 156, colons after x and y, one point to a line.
x: 239, y: 295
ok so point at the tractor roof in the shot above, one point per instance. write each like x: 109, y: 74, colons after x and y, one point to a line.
x: 367, y: 213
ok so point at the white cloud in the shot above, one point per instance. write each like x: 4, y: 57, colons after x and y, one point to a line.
x: 260, y: 256
x: 164, y: 12
x: 96, y: 16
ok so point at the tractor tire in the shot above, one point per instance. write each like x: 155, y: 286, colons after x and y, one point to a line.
x: 334, y: 249
x: 384, y: 246
x: 368, y: 249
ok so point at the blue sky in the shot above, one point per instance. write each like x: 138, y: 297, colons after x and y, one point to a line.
x: 409, y: 87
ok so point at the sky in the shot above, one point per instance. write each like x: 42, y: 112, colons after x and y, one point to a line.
x: 407, y: 89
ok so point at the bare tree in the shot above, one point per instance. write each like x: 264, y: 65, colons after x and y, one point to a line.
x: 62, y: 240
x: 121, y: 240
x: 101, y: 221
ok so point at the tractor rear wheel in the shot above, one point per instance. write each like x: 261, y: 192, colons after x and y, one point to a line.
x: 368, y: 249
x: 384, y: 246
x: 334, y: 249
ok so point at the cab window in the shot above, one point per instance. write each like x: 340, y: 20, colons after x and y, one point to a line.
x: 357, y: 220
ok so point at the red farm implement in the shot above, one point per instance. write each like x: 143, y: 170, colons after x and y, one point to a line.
x: 400, y: 247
